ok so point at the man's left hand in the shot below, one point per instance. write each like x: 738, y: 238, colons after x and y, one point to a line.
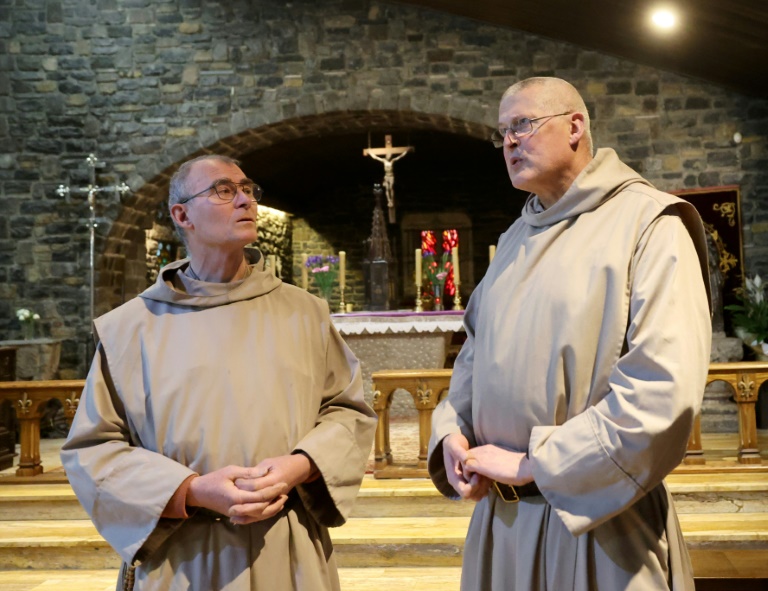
x: 498, y: 464
x: 289, y: 470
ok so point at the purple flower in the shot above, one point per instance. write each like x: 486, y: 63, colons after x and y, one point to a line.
x: 314, y: 261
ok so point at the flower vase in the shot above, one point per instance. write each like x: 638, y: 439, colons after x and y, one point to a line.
x: 437, y: 295
x: 28, y: 331
x: 326, y: 293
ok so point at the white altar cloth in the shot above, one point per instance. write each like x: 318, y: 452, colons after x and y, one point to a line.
x: 360, y: 323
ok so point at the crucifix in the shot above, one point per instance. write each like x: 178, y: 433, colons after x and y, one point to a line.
x: 91, y: 191
x: 388, y: 155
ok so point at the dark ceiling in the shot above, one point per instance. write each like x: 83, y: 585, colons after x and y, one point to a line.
x: 720, y: 41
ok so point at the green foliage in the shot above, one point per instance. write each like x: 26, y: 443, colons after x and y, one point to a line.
x: 751, y: 313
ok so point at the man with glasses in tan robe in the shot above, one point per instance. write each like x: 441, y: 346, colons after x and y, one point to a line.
x: 222, y: 428
x: 587, y: 351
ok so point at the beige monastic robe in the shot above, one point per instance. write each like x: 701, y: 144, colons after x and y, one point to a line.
x: 191, y: 377
x: 588, y: 345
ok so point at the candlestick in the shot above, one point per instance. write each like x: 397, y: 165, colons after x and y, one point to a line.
x: 342, y: 271
x: 418, y: 267
x: 271, y: 263
x: 457, y: 299
x: 417, y: 280
x: 455, y: 260
x: 491, y: 253
x: 342, y: 305
x: 304, y: 271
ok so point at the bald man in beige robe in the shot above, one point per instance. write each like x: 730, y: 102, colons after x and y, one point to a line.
x: 586, y: 357
x: 222, y: 428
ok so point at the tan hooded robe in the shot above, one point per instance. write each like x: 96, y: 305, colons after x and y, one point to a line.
x: 588, y: 345
x: 191, y: 377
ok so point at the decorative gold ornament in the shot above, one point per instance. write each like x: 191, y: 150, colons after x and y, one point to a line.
x: 24, y: 404
x: 424, y: 394
x: 727, y: 210
x: 71, y: 403
x: 746, y: 387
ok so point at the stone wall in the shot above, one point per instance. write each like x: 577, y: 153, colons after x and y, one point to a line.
x: 149, y: 84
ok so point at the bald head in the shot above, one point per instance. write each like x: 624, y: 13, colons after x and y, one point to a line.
x: 555, y: 95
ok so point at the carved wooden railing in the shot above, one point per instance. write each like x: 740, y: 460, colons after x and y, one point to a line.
x: 428, y: 386
x: 29, y: 399
x: 745, y: 378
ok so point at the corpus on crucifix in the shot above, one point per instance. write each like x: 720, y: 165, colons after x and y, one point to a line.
x: 388, y: 155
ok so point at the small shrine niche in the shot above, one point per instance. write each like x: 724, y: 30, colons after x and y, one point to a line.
x: 436, y: 235
x: 438, y: 285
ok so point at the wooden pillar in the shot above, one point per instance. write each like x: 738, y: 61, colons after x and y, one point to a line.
x: 746, y: 396
x: 382, y: 451
x: 695, y: 454
x: 29, y: 438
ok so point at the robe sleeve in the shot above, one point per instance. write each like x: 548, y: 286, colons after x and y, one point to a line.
x: 600, y: 462
x: 341, y: 441
x: 123, y: 488
x: 454, y: 413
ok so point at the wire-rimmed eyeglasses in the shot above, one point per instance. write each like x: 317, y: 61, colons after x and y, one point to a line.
x: 519, y: 128
x: 226, y: 190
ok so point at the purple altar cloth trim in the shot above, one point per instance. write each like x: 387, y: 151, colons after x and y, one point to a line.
x: 401, y: 314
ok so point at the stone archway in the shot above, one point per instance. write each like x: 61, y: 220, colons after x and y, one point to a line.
x: 122, y: 266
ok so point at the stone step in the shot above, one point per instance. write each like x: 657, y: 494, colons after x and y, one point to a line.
x: 362, y: 542
x: 741, y: 576
x: 738, y: 492
x: 351, y: 579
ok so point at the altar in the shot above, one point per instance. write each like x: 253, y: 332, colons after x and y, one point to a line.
x: 398, y: 340
x: 36, y: 359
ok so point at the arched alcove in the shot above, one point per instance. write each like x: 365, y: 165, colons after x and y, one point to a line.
x: 313, y: 168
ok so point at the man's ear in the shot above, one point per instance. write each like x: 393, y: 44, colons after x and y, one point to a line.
x: 577, y: 129
x: 180, y: 216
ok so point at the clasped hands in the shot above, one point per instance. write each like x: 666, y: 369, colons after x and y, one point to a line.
x: 472, y: 471
x: 248, y: 495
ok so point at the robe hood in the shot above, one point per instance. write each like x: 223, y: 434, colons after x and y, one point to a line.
x: 175, y: 287
x: 602, y: 178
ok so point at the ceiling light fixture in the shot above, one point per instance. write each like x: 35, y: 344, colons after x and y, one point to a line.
x: 664, y: 19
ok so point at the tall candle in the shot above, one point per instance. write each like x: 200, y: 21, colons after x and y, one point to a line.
x: 304, y: 271
x: 271, y: 263
x: 455, y: 259
x: 418, y: 266
x: 342, y: 269
x: 491, y: 253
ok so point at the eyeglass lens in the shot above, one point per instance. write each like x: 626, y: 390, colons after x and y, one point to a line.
x: 518, y: 128
x: 227, y: 190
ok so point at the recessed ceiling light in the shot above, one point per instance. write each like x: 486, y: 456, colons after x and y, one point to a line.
x: 663, y: 18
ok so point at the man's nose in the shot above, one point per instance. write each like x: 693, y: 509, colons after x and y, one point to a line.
x: 511, y: 140
x: 243, y: 200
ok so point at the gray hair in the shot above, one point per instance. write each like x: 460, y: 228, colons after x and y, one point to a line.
x: 178, y: 187
x: 557, y: 95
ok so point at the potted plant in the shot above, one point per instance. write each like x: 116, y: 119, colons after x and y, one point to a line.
x: 750, y: 316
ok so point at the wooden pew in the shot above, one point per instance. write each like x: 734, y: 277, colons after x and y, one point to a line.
x: 29, y: 400
x: 427, y: 387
